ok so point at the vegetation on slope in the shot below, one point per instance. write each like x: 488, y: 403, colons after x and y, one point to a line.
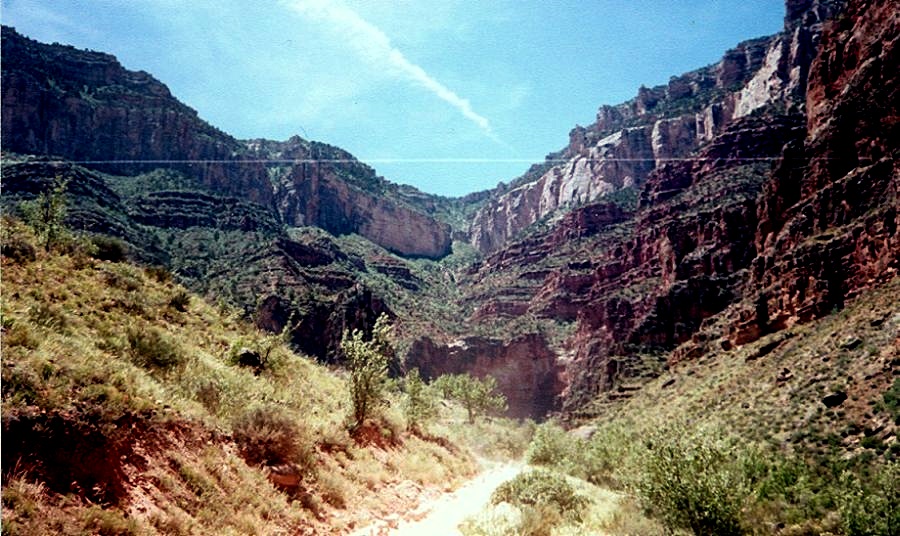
x: 133, y: 407
x: 795, y: 433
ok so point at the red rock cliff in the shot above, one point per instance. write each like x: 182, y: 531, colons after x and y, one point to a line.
x: 628, y: 141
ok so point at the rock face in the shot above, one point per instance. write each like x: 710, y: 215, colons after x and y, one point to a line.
x: 636, y: 285
x: 828, y: 230
x: 628, y: 141
x: 84, y: 106
x: 787, y: 208
x: 526, y: 370
x: 337, y: 207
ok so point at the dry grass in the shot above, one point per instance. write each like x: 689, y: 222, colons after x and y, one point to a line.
x: 772, y: 390
x: 95, y: 344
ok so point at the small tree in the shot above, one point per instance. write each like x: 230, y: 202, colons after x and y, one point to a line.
x: 47, y: 212
x: 477, y: 395
x: 367, y: 362
x: 420, y: 404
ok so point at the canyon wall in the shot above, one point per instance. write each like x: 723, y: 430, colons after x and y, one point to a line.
x: 525, y: 368
x: 84, y: 106
x: 781, y: 215
x: 628, y: 141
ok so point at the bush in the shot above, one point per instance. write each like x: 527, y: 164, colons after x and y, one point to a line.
x: 695, y: 481
x: 180, y: 301
x: 891, y: 399
x: 542, y: 491
x: 367, y: 362
x: 151, y: 348
x: 551, y: 447
x: 871, y: 506
x: 420, y: 404
x: 46, y: 214
x: 477, y: 395
x: 255, y: 352
x: 595, y: 460
x: 160, y: 274
x: 267, y: 436
x: 108, y: 248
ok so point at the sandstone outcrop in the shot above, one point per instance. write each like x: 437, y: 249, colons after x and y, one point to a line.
x: 526, y: 370
x: 628, y: 141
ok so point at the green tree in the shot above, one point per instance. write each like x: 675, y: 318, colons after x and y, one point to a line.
x: 420, y: 403
x: 46, y: 213
x: 367, y: 361
x: 477, y: 395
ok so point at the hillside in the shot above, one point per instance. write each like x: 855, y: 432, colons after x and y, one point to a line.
x: 719, y: 254
x: 129, y: 408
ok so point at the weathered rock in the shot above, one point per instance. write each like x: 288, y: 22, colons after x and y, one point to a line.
x: 632, y: 139
x: 526, y: 370
x: 84, y: 106
x: 835, y: 399
x: 828, y: 230
x: 250, y: 358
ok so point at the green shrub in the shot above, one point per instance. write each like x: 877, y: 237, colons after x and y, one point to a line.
x: 160, y: 274
x: 46, y: 214
x: 255, y: 352
x: 891, y: 399
x: 477, y: 395
x: 871, y: 506
x: 543, y: 491
x: 695, y: 481
x: 551, y: 447
x: 151, y: 348
x: 180, y: 301
x: 368, y: 365
x: 420, y: 403
x: 265, y: 435
x: 599, y: 460
x: 108, y: 248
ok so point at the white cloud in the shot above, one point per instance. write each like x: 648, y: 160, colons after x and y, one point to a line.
x: 375, y: 47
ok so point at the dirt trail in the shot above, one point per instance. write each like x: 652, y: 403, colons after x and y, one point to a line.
x: 445, y: 513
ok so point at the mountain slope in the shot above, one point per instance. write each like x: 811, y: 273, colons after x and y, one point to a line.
x: 129, y: 408
x: 84, y: 106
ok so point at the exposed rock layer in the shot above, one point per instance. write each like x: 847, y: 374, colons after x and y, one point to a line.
x: 777, y: 218
x: 526, y: 370
x: 84, y: 106
x: 628, y: 141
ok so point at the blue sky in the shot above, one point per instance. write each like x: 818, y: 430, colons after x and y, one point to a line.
x: 450, y: 96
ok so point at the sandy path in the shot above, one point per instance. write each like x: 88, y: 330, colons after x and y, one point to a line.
x: 445, y: 513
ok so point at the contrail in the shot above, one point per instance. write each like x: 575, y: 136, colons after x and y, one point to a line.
x: 374, y: 46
